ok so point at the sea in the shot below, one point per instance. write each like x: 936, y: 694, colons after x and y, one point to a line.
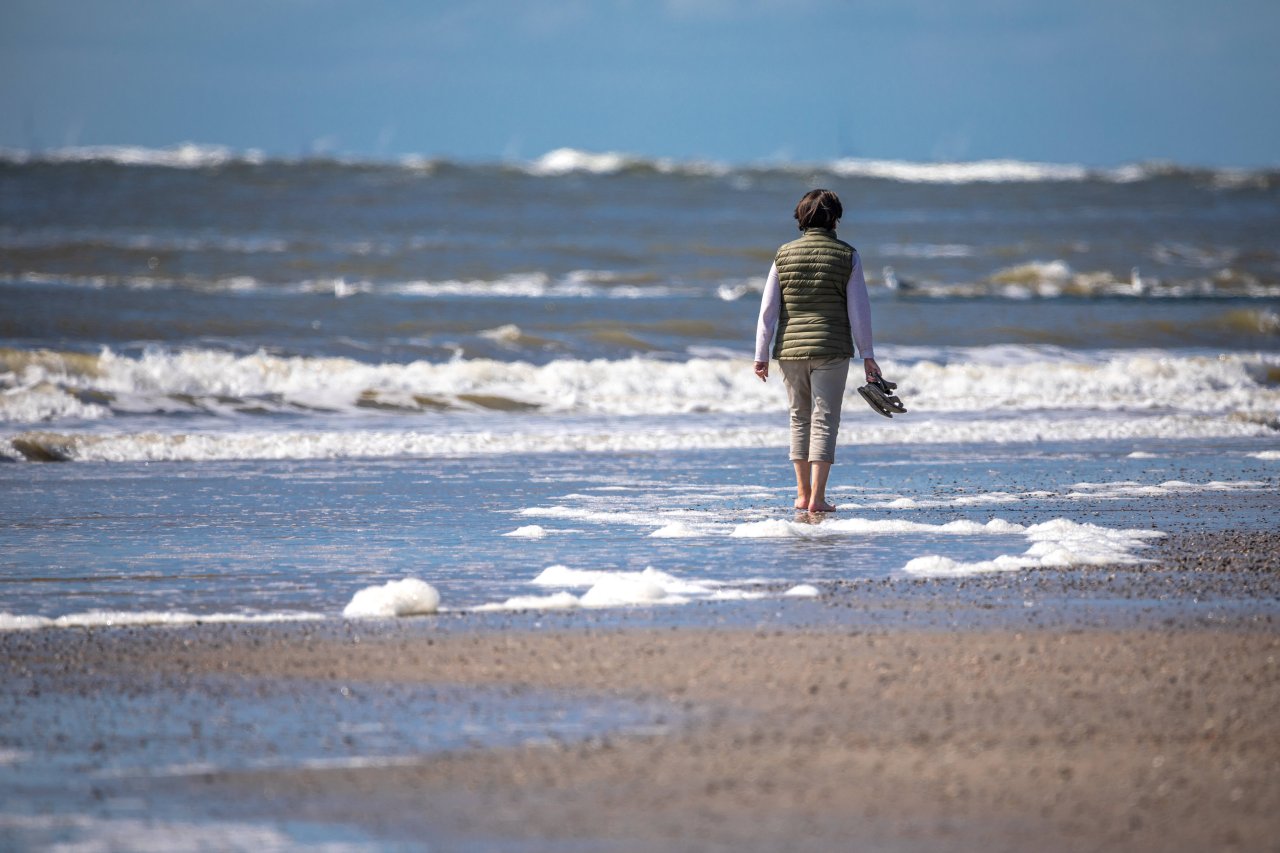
x: 427, y: 395
x: 241, y: 387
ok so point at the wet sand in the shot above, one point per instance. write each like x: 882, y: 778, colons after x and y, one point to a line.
x: 1091, y: 720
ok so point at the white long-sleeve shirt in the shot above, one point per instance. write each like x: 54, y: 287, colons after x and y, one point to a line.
x: 858, y: 305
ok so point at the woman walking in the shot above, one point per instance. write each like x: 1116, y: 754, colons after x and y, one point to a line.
x: 816, y: 301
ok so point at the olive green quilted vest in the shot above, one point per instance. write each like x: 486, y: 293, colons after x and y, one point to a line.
x: 814, y: 274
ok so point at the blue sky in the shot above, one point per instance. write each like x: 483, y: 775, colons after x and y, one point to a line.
x: 1100, y: 82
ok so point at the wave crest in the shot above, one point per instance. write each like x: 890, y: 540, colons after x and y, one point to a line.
x: 571, y: 161
x: 41, y: 385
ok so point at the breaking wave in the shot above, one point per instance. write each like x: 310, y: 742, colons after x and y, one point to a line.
x: 1057, y: 279
x: 220, y: 382
x: 39, y: 386
x: 188, y: 155
x: 577, y: 284
x: 433, y: 441
x: 571, y: 161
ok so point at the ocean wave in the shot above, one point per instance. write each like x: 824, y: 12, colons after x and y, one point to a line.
x: 536, y: 285
x: 577, y: 284
x: 1054, y: 279
x: 979, y: 171
x: 1028, y: 281
x: 570, y: 438
x: 78, y: 238
x: 562, y: 162
x: 188, y: 155
x: 45, y: 385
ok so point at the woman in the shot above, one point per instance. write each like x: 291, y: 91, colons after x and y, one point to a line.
x: 816, y: 300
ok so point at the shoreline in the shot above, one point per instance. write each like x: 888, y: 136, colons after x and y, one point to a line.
x: 1129, y: 708
x: 1000, y: 740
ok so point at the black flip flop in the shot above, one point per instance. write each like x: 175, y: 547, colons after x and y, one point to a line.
x: 880, y: 397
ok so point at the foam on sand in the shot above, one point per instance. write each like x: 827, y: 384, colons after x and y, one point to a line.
x: 624, y: 588
x: 408, y: 597
x: 1060, y: 543
x: 555, y: 601
x: 1123, y: 489
x: 606, y: 588
x: 124, y: 618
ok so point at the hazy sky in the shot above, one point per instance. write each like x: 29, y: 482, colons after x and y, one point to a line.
x: 1099, y: 82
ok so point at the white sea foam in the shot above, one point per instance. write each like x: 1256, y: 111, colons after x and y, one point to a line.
x: 10, y: 757
x: 568, y: 161
x: 626, y: 588
x: 978, y: 171
x: 677, y: 530
x: 1266, y: 454
x: 925, y: 250
x: 1056, y: 543
x: 832, y: 527
x: 563, y: 576
x: 40, y: 385
x: 121, y: 618
x: 584, y: 438
x: 733, y: 291
x: 408, y: 597
x: 533, y: 285
x: 606, y: 588
x: 1060, y: 543
x: 43, y: 402
x: 528, y: 285
x: 1051, y: 279
x: 565, y: 161
x: 554, y: 601
x: 1131, y: 489
x: 528, y: 531
x: 562, y: 161
x: 803, y: 590
x: 188, y: 155
x: 640, y: 518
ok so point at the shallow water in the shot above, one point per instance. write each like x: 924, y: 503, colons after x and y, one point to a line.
x: 279, y: 382
x: 299, y: 538
x: 104, y: 763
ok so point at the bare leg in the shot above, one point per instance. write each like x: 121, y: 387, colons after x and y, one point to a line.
x: 802, y: 484
x: 819, y: 472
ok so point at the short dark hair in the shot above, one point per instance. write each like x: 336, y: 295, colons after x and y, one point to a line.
x: 819, y: 209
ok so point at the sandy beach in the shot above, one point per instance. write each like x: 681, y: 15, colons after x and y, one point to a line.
x: 384, y: 463
x: 1129, y: 710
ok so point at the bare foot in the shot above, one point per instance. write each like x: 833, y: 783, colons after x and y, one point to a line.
x: 802, y: 504
x: 821, y: 506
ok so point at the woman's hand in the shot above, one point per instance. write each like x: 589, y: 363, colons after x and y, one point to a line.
x: 872, y: 369
x: 762, y: 370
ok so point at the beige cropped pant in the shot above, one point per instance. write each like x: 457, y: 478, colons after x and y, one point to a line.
x: 815, y: 389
